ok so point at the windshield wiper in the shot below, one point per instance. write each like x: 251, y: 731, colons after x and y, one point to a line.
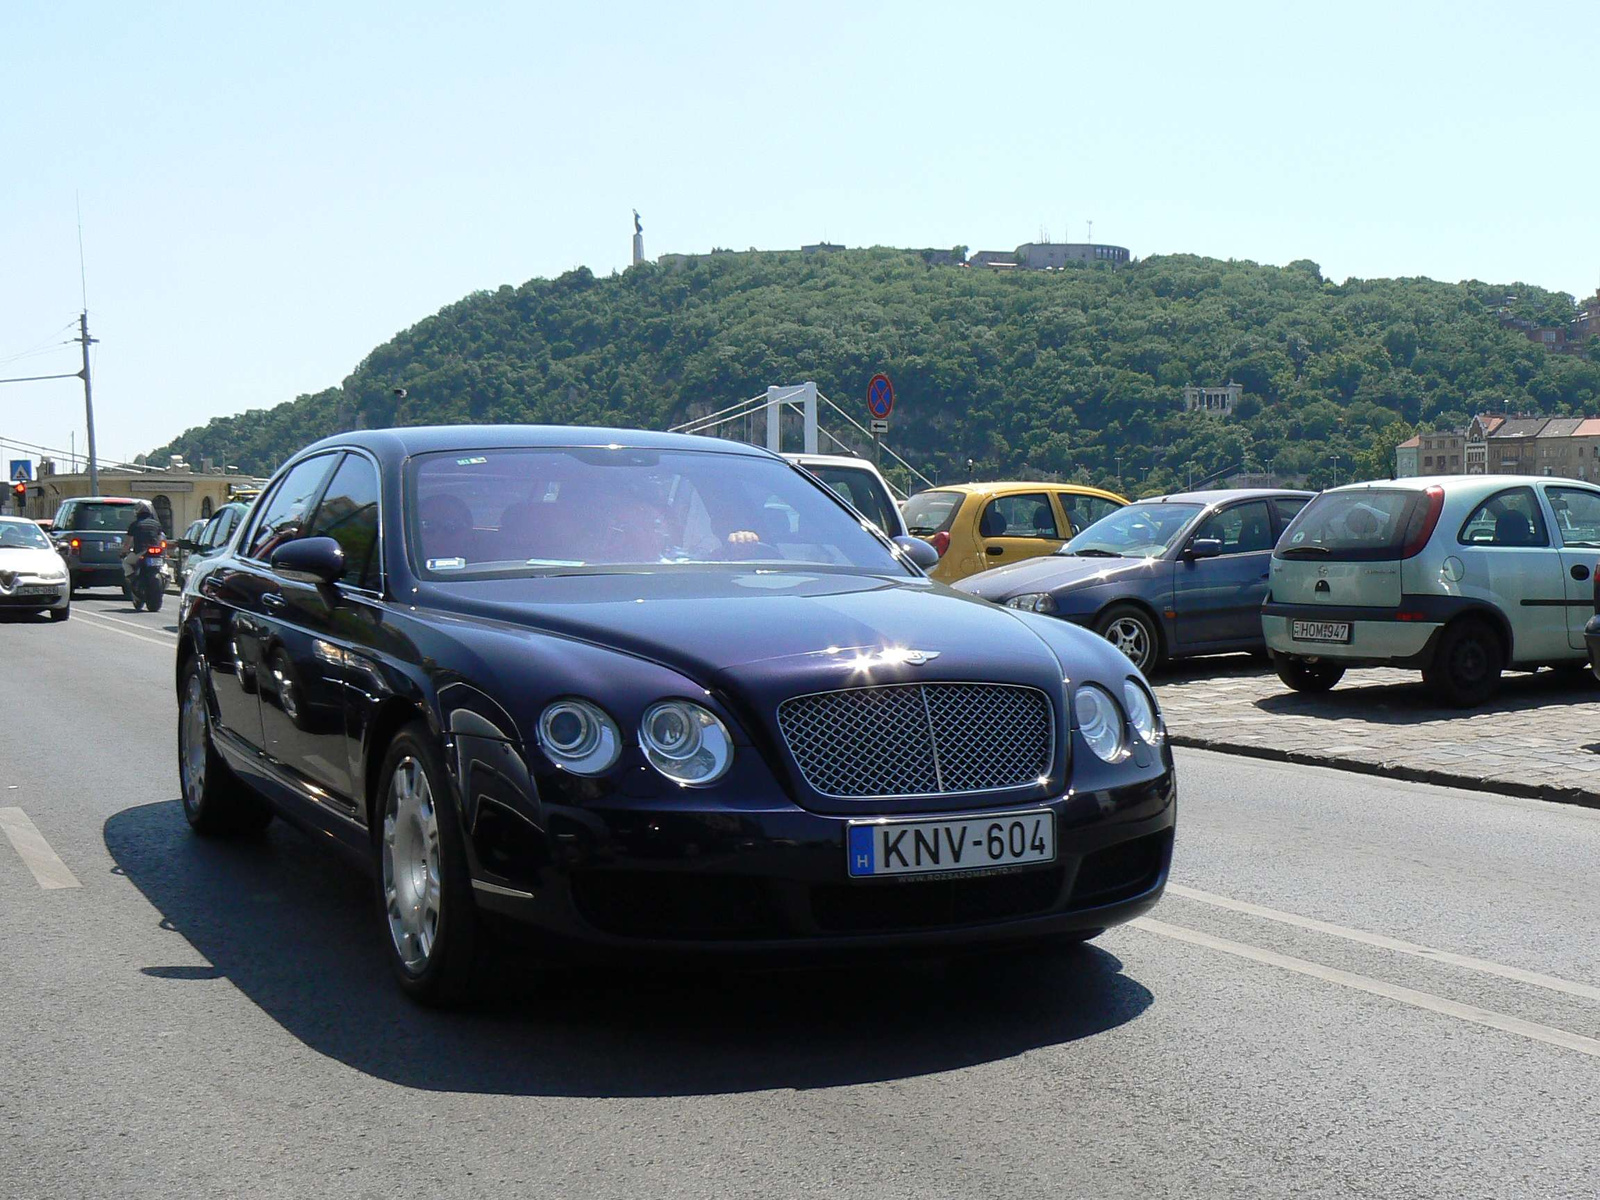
x: 1096, y: 553
x: 1305, y: 551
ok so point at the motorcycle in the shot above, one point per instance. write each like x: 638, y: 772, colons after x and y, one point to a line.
x: 147, y: 586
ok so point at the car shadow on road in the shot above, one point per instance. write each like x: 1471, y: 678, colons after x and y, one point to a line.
x: 291, y: 926
x: 1409, y: 702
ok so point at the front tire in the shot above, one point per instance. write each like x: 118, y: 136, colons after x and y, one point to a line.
x: 424, y: 890
x: 215, y: 802
x: 1133, y: 631
x: 1464, y: 671
x: 1309, y: 677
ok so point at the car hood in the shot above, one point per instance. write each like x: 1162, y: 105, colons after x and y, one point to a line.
x: 1054, y: 573
x: 27, y: 560
x: 811, y: 628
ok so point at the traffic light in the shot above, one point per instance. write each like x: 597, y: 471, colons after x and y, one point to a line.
x: 19, y: 493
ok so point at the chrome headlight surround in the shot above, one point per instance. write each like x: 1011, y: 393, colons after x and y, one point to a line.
x: 1100, y: 722
x: 1036, y: 602
x: 579, y: 736
x: 686, y: 742
x: 1143, y: 714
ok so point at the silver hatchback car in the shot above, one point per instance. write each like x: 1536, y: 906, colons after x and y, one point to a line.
x: 1461, y: 576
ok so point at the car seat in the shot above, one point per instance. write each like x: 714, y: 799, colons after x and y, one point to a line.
x: 446, y: 527
x: 992, y: 523
x: 1255, y: 534
x: 1511, y: 528
x: 1044, y: 521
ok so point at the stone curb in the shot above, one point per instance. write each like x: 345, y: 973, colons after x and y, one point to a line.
x: 1362, y: 766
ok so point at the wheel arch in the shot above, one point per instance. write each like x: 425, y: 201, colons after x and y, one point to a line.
x: 1490, y: 616
x: 393, y: 715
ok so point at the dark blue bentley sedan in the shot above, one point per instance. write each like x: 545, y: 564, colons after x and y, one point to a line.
x: 632, y: 692
x: 1162, y: 578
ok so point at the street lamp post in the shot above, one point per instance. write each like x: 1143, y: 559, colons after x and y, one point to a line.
x: 1335, y: 458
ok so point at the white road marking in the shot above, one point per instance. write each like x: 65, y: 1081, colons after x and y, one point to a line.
x: 138, y: 637
x: 1550, y: 982
x: 1378, y: 987
x: 100, y: 616
x: 26, y: 839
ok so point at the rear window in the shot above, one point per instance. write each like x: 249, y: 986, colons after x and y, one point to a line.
x: 100, y: 518
x: 860, y: 490
x: 930, y: 512
x: 1365, y: 526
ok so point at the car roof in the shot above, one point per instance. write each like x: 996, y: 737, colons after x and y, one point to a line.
x: 833, y: 460
x: 19, y: 520
x: 1225, y: 495
x: 1417, y: 483
x: 427, y: 439
x: 1023, y: 485
x: 104, y: 499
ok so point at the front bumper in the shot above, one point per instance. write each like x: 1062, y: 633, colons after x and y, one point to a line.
x: 35, y: 596
x: 773, y: 885
x: 1375, y: 641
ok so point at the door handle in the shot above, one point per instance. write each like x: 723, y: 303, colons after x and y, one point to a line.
x: 994, y: 549
x: 273, y: 600
x: 1580, y: 572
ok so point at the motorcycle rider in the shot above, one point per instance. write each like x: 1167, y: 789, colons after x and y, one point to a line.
x: 144, y: 531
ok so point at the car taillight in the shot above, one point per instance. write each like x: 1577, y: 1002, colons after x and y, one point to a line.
x: 940, y: 541
x: 75, y: 543
x: 1422, y: 526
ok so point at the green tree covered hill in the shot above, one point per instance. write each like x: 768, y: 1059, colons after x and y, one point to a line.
x: 1027, y: 373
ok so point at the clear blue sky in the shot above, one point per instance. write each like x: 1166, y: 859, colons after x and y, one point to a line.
x: 269, y: 191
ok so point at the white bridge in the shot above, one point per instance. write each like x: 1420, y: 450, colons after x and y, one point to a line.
x: 764, y: 419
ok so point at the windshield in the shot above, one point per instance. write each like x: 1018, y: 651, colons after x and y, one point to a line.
x: 487, y: 513
x: 94, y: 518
x: 929, y: 512
x: 1365, y: 525
x: 1135, y: 531
x: 22, y: 535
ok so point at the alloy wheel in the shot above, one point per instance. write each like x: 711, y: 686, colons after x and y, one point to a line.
x: 193, y: 733
x: 411, y: 884
x: 1129, y: 635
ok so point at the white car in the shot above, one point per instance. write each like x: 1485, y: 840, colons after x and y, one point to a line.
x: 32, y: 576
x: 859, y: 484
x: 1460, y: 576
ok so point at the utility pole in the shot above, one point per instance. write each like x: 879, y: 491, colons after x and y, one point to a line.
x: 88, y: 400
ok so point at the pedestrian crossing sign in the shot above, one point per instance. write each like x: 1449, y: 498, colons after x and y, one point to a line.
x: 21, y: 470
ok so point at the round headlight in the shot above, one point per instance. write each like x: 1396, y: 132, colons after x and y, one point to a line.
x: 1039, y: 602
x: 579, y: 736
x: 1142, y: 713
x: 685, y: 742
x: 1099, y: 721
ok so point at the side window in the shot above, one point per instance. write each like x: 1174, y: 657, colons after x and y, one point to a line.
x: 1023, y: 516
x: 1286, y: 508
x: 1577, y: 515
x: 1241, y: 529
x: 1084, y: 511
x: 1508, y: 518
x: 349, y: 515
x: 284, y: 515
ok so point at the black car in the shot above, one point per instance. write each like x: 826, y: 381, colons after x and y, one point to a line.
x: 1166, y: 577
x: 633, y: 692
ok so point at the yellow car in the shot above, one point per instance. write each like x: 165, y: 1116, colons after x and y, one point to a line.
x: 975, y: 526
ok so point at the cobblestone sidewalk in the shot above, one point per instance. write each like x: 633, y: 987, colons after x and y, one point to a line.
x: 1540, y: 737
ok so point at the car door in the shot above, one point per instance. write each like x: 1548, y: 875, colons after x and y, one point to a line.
x: 1219, y: 599
x: 1082, y: 510
x: 239, y: 593
x: 1509, y: 560
x: 1576, y: 520
x: 304, y: 652
x: 1016, y: 526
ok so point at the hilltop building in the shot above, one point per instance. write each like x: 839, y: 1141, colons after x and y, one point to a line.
x: 1050, y: 256
x: 1212, y: 399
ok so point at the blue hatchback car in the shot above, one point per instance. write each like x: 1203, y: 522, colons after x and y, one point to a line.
x: 1163, y: 578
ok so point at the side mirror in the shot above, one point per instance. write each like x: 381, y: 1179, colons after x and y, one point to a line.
x: 318, y: 560
x: 918, y: 551
x: 188, y: 545
x: 1203, y: 548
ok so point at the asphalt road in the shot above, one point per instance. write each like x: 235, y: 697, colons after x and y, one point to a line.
x: 1356, y: 988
